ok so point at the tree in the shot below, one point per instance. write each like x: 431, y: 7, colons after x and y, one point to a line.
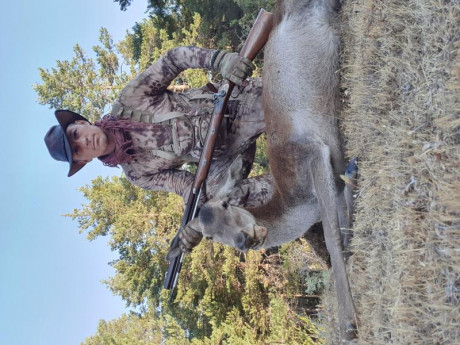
x: 81, y: 84
x: 124, y: 4
x: 134, y: 329
x: 90, y: 86
x: 225, y: 22
x: 140, y: 225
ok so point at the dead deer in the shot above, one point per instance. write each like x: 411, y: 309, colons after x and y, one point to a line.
x: 304, y: 148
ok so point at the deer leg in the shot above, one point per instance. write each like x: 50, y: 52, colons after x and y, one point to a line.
x: 346, y: 205
x: 323, y: 183
x: 351, y: 174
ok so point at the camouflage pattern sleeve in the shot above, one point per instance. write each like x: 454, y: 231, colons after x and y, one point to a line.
x: 148, y: 88
x: 170, y: 180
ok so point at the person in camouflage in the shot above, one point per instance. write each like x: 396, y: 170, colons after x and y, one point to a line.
x: 151, y: 132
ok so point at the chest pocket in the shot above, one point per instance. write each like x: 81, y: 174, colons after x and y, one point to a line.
x: 182, y: 131
x: 183, y: 136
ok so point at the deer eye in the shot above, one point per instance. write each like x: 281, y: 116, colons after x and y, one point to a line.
x: 224, y: 204
x: 209, y: 238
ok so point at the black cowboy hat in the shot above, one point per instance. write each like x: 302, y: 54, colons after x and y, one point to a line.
x: 57, y: 142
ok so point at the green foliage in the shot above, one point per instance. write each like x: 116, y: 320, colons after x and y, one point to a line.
x: 234, y: 330
x: 261, y: 164
x: 81, y: 86
x: 225, y: 22
x: 316, y: 281
x: 124, y: 4
x: 287, y: 327
x: 221, y: 294
x: 90, y: 86
x: 134, y: 329
x: 250, y: 9
x: 140, y: 224
x: 191, y: 37
x: 127, y: 330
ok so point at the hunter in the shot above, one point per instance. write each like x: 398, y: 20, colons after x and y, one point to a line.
x: 151, y: 132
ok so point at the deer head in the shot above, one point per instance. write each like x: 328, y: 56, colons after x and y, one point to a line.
x: 227, y: 224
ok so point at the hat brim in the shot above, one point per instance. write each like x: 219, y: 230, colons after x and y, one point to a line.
x: 65, y: 118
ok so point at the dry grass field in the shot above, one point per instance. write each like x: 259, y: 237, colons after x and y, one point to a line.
x: 400, y: 81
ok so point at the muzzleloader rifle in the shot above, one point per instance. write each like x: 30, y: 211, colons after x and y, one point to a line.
x: 255, y: 41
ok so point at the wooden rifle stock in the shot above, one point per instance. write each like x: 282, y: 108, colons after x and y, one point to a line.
x: 255, y: 41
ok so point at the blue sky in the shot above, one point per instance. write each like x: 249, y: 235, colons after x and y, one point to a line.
x: 50, y: 288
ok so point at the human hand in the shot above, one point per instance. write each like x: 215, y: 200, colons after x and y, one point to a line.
x: 233, y: 67
x: 189, y: 237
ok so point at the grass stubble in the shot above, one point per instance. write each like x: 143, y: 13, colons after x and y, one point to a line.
x: 400, y: 81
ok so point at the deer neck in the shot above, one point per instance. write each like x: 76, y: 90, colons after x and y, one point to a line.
x: 285, y: 223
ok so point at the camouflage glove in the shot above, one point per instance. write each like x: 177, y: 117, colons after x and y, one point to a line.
x: 232, y: 66
x: 189, y: 238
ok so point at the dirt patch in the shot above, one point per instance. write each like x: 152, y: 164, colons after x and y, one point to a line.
x: 400, y: 79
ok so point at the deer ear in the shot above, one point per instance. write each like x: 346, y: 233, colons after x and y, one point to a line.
x: 234, y: 174
x: 236, y: 168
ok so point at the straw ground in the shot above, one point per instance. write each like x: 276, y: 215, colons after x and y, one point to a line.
x: 400, y: 82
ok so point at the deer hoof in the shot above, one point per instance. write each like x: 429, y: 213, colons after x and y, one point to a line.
x: 349, y: 334
x: 351, y: 170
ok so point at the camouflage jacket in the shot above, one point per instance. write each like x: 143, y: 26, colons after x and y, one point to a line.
x: 148, y: 92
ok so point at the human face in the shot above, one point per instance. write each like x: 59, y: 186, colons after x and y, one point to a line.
x: 88, y: 141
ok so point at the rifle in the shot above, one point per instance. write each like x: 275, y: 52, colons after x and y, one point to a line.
x: 255, y: 41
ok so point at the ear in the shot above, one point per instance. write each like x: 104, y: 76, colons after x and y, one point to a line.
x: 234, y: 174
x: 236, y: 168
